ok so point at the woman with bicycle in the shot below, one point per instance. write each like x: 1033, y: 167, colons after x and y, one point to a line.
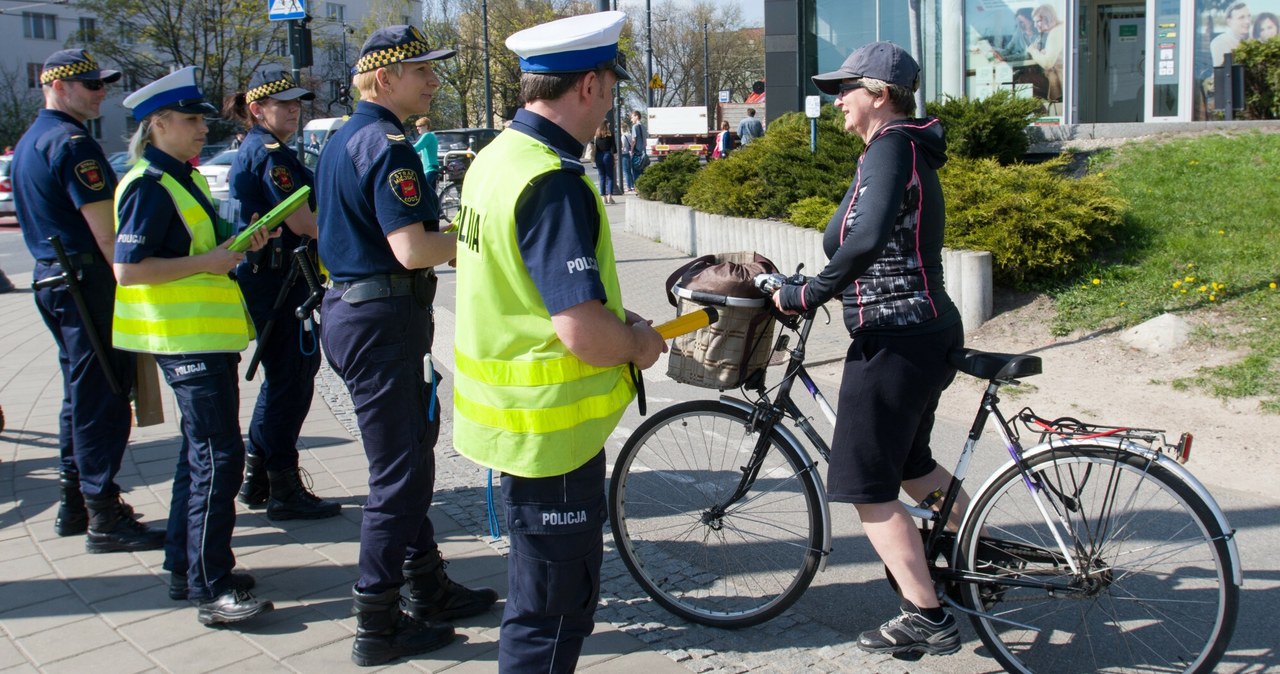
x: 885, y: 250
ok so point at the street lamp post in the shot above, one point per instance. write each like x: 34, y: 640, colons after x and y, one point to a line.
x: 648, y: 27
x: 488, y: 84
x: 706, y: 68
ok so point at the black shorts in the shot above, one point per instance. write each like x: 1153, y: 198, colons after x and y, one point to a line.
x: 891, y: 387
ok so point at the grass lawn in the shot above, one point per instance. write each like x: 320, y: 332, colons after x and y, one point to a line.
x: 1202, y: 231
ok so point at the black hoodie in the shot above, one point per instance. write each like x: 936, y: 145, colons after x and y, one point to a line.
x: 885, y: 240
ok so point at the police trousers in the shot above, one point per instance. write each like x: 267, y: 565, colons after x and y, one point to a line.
x: 553, y: 571
x: 93, y: 429
x: 202, y: 512
x: 288, y: 371
x: 377, y: 347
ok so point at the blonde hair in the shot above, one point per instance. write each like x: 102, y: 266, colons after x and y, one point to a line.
x: 142, y: 135
x: 367, y: 83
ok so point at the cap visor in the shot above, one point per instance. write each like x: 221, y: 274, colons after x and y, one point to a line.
x: 201, y: 108
x: 435, y: 55
x: 107, y: 76
x: 110, y: 76
x: 293, y: 94
x: 829, y: 83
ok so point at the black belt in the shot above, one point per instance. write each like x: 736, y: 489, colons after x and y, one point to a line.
x: 80, y: 260
x: 375, y: 287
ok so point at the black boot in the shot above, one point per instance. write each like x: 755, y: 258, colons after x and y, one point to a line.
x: 73, y: 517
x: 255, y: 490
x: 432, y: 596
x: 384, y: 633
x: 231, y: 606
x: 112, y: 528
x: 291, y: 500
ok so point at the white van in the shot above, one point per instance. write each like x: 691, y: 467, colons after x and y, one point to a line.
x: 315, y: 134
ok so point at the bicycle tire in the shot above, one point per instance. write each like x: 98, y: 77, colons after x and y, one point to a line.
x: 450, y: 201
x: 1155, y: 593
x: 736, y: 570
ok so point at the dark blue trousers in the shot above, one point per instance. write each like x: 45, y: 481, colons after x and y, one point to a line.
x: 377, y: 348
x: 288, y: 374
x: 202, y: 512
x: 553, y: 571
x: 94, y: 426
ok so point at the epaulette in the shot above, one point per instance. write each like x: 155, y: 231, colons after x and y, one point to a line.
x: 572, y: 165
x: 76, y: 137
x: 395, y: 136
x: 154, y: 172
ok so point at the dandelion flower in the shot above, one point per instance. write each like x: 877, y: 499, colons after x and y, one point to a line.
x: 1202, y: 288
x: 1222, y: 232
x: 1097, y: 281
x: 1273, y: 285
x: 1213, y: 298
x: 1184, y: 291
x: 1177, y: 284
x: 1189, y: 279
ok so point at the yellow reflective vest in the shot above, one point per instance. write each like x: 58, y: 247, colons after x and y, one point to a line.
x: 200, y: 313
x: 524, y: 404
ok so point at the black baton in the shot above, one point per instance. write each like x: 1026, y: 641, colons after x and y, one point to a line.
x: 271, y: 323
x: 302, y: 257
x: 71, y: 277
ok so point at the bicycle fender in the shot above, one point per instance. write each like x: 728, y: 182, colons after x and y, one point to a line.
x: 1166, y: 462
x: 789, y: 437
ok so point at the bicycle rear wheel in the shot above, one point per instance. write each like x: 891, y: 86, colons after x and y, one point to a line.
x: 1154, y: 592
x: 450, y: 201
x: 701, y: 557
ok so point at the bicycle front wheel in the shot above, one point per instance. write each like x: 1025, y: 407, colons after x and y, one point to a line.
x: 450, y: 201
x: 695, y: 549
x: 1152, y: 591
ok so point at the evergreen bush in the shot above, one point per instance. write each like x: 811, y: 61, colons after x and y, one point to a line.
x: 812, y: 213
x: 993, y: 127
x: 667, y: 180
x: 1261, y: 61
x: 1040, y: 225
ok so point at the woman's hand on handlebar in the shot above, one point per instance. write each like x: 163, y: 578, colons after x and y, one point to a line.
x: 771, y: 284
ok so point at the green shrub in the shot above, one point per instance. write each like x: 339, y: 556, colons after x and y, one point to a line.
x: 1261, y: 61
x: 992, y: 127
x: 763, y: 179
x: 1040, y: 226
x: 668, y: 180
x: 812, y: 213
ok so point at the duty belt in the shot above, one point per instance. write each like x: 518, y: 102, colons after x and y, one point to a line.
x: 78, y: 260
x: 375, y: 287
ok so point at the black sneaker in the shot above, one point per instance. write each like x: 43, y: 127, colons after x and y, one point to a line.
x: 178, y: 584
x: 913, y: 633
x: 232, y: 606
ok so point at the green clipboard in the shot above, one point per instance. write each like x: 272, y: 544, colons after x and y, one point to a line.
x: 272, y: 219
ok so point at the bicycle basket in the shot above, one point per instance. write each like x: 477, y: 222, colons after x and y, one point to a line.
x: 724, y: 354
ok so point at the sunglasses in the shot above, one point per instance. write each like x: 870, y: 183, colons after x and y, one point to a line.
x: 92, y: 85
x: 846, y: 87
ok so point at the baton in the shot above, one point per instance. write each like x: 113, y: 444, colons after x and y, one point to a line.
x: 687, y: 323
x: 271, y: 322
x: 71, y: 277
x: 302, y: 257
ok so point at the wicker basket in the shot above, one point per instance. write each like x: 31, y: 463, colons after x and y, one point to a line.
x: 723, y: 354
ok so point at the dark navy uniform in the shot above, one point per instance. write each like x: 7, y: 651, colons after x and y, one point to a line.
x: 206, y: 385
x: 57, y: 169
x: 266, y: 172
x: 369, y: 182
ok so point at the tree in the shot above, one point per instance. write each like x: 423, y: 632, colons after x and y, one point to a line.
x: 19, y: 105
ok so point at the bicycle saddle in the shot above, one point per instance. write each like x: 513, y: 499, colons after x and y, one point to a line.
x: 986, y: 365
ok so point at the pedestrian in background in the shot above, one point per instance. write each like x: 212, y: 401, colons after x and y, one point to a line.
x: 628, y: 149
x: 885, y: 246
x: 177, y: 301
x: 543, y: 344
x: 428, y: 147
x: 640, y: 147
x: 63, y: 187
x: 605, y: 149
x: 724, y: 142
x: 749, y: 128
x: 380, y: 238
x: 267, y: 171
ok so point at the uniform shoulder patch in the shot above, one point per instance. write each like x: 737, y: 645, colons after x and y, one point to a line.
x: 395, y: 136
x: 282, y: 178
x: 404, y: 182
x: 89, y: 173
x: 271, y: 146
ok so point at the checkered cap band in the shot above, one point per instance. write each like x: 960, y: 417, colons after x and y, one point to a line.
x: 385, y: 57
x: 69, y: 70
x: 264, y: 91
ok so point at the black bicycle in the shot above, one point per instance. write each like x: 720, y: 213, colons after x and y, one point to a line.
x: 1092, y: 550
x: 452, y: 172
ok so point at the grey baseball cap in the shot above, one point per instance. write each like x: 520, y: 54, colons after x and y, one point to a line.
x: 880, y: 61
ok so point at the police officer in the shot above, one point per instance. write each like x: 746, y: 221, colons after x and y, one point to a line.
x: 379, y: 238
x: 543, y: 342
x: 266, y: 172
x: 63, y: 187
x: 176, y: 300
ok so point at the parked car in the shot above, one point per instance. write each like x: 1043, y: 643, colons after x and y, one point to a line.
x: 209, y: 152
x: 6, y: 188
x: 216, y: 170
x: 463, y: 139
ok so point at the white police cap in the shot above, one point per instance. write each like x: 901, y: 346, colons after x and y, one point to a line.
x: 176, y: 91
x: 572, y: 45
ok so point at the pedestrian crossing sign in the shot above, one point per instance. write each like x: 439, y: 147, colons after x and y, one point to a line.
x: 655, y: 82
x: 286, y: 10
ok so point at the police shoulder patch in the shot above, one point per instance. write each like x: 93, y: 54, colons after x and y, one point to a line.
x: 404, y: 182
x: 282, y: 178
x: 89, y: 173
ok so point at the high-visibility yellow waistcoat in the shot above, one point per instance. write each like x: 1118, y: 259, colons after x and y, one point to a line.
x: 524, y: 404
x: 200, y: 313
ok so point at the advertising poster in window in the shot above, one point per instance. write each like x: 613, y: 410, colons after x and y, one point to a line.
x: 1221, y: 25
x: 1018, y: 46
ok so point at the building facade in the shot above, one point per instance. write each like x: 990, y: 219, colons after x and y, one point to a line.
x: 1092, y: 61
